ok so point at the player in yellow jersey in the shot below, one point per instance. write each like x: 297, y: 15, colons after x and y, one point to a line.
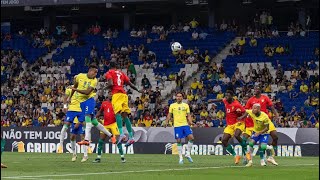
x: 84, y: 87
x: 180, y: 111
x: 260, y: 133
x: 74, y: 111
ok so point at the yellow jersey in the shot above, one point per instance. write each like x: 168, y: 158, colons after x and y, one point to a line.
x: 84, y: 83
x: 260, y: 122
x: 179, y: 112
x: 75, y: 102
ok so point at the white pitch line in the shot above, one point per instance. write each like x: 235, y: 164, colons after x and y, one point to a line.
x: 142, y: 171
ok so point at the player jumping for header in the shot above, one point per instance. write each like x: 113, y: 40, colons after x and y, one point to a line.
x: 116, y: 80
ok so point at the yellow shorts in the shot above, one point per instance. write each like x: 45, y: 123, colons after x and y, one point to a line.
x: 113, y: 128
x: 271, y: 127
x: 248, y: 131
x: 120, y: 103
x: 231, y: 129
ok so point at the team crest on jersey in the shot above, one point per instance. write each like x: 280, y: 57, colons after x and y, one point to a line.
x: 232, y: 107
x: 262, y: 100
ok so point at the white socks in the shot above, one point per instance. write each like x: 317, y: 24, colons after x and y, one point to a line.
x: 189, y: 146
x: 62, y: 133
x: 101, y: 128
x: 180, y: 152
x: 269, y: 147
x: 73, y: 147
x: 88, y: 131
x: 85, y: 151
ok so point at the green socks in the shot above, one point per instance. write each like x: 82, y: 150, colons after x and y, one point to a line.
x: 231, y: 150
x: 120, y: 149
x: 261, y: 153
x: 3, y: 142
x: 129, y: 127
x: 88, y: 119
x: 119, y: 122
x: 100, y: 145
x: 95, y: 122
x: 244, y: 145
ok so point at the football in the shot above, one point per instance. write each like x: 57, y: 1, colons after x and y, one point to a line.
x: 176, y: 46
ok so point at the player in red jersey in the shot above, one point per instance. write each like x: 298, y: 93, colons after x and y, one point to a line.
x: 249, y: 127
x: 116, y: 80
x: 110, y: 124
x: 266, y: 103
x: 234, y: 127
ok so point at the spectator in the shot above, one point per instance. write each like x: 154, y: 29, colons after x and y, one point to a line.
x: 280, y: 49
x: 71, y: 61
x: 253, y: 42
x: 195, y: 35
x: 194, y: 24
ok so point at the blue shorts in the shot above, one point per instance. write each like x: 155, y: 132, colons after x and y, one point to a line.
x: 72, y: 114
x: 88, y: 106
x: 182, y: 132
x: 79, y: 130
x: 262, y: 138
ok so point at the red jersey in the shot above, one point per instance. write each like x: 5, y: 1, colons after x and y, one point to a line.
x: 231, y: 111
x: 119, y: 79
x: 264, y: 102
x: 249, y: 122
x: 108, y: 113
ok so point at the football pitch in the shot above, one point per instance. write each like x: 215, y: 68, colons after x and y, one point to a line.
x: 139, y: 167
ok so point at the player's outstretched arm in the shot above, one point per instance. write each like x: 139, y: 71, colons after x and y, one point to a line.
x: 214, y: 100
x: 275, y: 112
x: 243, y: 116
x: 134, y: 87
x: 99, y: 113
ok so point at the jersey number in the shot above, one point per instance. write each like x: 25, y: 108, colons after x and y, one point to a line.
x: 119, y: 79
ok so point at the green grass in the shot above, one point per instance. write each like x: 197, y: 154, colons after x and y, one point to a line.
x: 59, y: 166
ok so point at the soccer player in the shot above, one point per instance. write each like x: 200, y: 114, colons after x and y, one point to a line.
x: 246, y: 134
x: 110, y: 124
x: 84, y: 86
x: 116, y: 80
x: 234, y: 128
x: 3, y: 143
x: 265, y: 102
x: 74, y: 112
x: 260, y: 131
x: 180, y: 111
x: 77, y: 129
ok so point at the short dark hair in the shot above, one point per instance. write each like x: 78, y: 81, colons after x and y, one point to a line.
x: 93, y: 66
x: 179, y: 93
x: 230, y: 92
x: 113, y: 65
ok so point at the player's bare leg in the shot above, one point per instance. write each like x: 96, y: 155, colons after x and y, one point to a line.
x: 189, y: 147
x: 243, y: 144
x: 225, y: 141
x: 273, y: 147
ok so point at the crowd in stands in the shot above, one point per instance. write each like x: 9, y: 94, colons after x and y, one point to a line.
x: 30, y: 102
